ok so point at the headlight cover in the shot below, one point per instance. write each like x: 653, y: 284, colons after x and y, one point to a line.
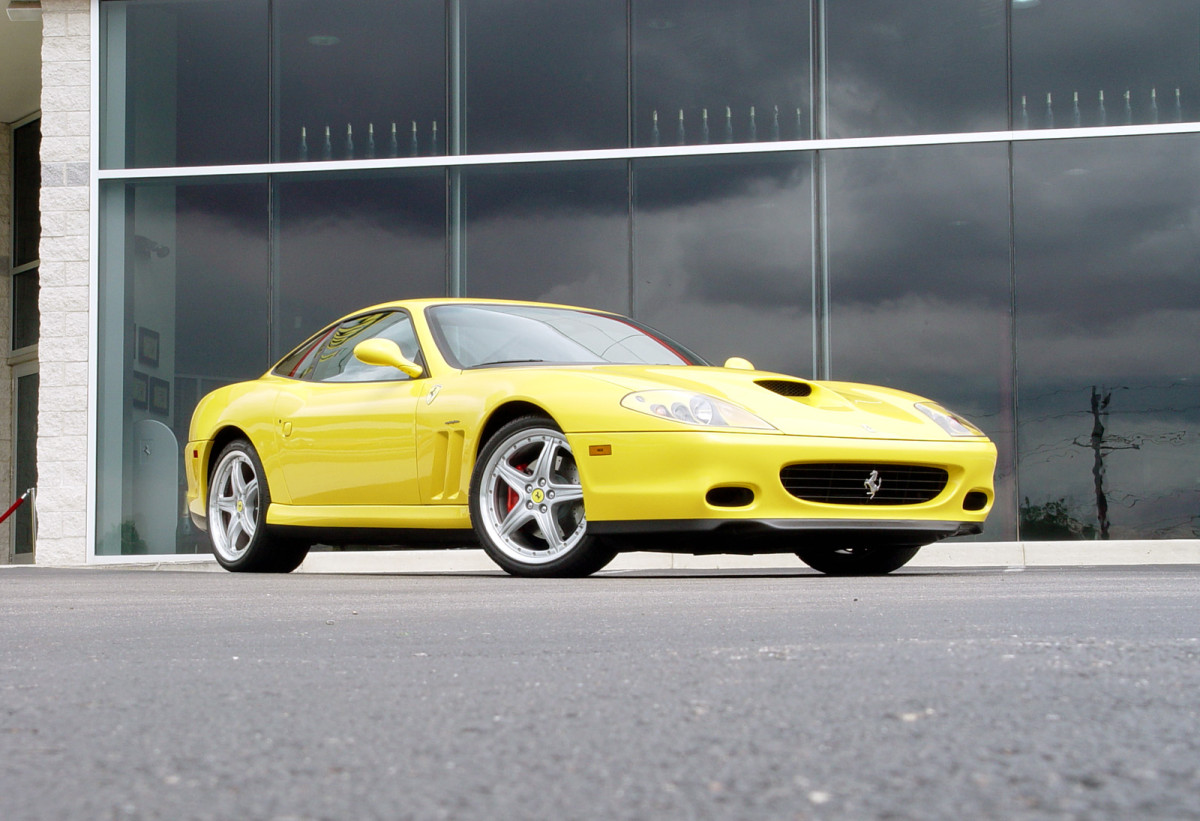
x: 952, y: 423
x: 697, y: 409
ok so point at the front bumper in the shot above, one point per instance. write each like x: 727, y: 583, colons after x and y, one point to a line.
x: 634, y: 480
x: 752, y: 536
x: 195, y: 457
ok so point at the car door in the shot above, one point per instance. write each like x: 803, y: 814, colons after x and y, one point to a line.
x: 346, y: 429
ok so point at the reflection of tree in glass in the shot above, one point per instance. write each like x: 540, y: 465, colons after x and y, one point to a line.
x: 1051, y: 521
x: 1101, y: 447
x: 1151, y: 496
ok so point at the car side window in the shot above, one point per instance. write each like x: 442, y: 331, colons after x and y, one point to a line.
x: 330, y: 356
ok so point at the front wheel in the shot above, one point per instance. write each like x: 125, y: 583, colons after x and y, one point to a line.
x: 238, y: 498
x: 857, y: 561
x: 527, y: 503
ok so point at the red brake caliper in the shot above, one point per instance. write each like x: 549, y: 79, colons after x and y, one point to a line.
x: 513, y: 497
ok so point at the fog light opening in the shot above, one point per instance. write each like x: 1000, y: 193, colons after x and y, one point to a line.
x: 975, y: 500
x: 730, y: 497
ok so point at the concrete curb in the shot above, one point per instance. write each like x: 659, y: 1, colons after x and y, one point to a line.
x: 943, y: 554
x: 984, y: 554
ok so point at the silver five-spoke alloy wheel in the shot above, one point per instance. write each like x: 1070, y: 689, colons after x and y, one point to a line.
x: 233, y: 504
x: 531, y: 499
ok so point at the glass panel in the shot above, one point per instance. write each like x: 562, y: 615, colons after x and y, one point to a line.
x: 26, y: 315
x: 1105, y: 62
x: 919, y: 273
x: 27, y: 182
x: 346, y: 243
x: 361, y: 79
x: 1108, y: 337
x: 710, y: 71
x: 185, y: 82
x: 183, y: 310
x: 723, y: 259
x: 543, y: 75
x: 925, y: 67
x: 25, y: 468
x: 554, y: 233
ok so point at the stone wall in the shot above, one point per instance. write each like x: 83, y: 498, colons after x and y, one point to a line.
x: 64, y: 300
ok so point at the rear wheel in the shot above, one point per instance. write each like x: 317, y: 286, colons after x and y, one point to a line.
x: 238, y: 498
x: 527, y: 503
x: 857, y: 561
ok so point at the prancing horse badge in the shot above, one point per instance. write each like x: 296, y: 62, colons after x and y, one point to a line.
x: 872, y: 483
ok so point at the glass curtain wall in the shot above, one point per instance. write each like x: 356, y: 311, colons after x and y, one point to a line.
x: 1108, y: 337
x: 185, y: 83
x: 1087, y: 63
x: 925, y: 67
x: 183, y: 310
x: 1042, y: 288
x: 359, y: 80
x: 919, y: 280
x: 711, y: 72
x: 722, y: 259
x: 543, y: 75
x: 553, y: 232
x: 345, y: 241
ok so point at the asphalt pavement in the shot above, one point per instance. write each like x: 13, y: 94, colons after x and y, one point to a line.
x: 774, y: 694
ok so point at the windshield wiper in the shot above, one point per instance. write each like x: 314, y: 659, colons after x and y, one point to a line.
x: 506, y: 362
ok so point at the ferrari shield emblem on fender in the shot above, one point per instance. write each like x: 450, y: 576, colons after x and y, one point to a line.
x: 873, y: 483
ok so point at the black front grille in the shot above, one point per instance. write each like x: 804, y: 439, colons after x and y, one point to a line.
x: 852, y: 484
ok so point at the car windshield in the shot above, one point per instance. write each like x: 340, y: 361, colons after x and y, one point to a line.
x: 479, y: 336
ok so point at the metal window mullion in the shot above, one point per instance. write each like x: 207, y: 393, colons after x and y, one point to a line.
x: 456, y: 113
x: 731, y: 149
x: 820, y: 238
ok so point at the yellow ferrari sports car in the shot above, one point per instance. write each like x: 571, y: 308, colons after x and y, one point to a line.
x: 555, y: 437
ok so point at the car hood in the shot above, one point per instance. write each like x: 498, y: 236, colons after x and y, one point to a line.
x: 794, y: 406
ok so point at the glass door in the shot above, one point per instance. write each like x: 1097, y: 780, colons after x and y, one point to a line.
x: 23, y: 522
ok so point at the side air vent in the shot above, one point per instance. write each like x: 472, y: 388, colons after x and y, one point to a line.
x: 785, y: 387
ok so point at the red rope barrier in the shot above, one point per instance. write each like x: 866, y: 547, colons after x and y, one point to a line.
x: 15, y: 505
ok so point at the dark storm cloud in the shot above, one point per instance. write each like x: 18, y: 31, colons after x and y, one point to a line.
x: 221, y: 253
x: 908, y: 68
x: 744, y: 238
x: 545, y: 75
x: 939, y: 65
x: 712, y: 54
x: 1067, y: 46
x: 924, y: 221
x: 366, y: 63
x: 1107, y: 230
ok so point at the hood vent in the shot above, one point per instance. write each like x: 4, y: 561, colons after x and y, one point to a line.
x: 786, y: 387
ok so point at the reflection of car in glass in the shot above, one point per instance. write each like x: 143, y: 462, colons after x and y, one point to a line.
x: 556, y: 437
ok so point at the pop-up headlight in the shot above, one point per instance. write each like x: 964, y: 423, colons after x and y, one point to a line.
x: 952, y: 423
x: 693, y: 409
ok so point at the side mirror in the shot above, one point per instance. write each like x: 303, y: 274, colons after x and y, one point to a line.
x: 385, y: 353
x: 739, y: 364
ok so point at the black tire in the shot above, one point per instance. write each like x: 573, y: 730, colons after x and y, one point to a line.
x: 526, y: 485
x: 857, y: 561
x: 238, y: 498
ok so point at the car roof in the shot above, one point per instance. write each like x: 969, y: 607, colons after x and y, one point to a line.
x: 427, y: 302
